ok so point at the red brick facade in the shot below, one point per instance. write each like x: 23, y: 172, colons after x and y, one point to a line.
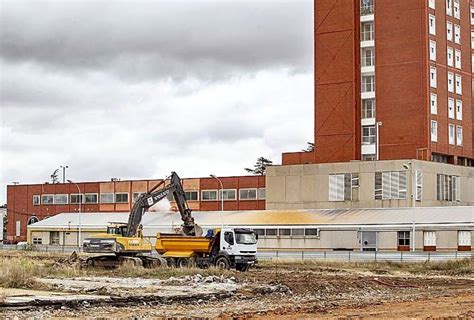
x: 20, y: 206
x: 402, y: 86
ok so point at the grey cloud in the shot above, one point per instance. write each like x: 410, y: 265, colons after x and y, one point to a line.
x: 142, y: 39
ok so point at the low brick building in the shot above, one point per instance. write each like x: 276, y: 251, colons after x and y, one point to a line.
x: 30, y: 203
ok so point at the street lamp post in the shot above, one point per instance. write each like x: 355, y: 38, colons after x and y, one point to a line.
x: 407, y: 166
x: 222, y: 197
x: 80, y: 201
x: 64, y: 172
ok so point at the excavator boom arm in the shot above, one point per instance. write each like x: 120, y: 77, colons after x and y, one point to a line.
x: 147, y: 200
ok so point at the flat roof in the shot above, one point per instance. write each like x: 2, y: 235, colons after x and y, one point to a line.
x: 324, y: 217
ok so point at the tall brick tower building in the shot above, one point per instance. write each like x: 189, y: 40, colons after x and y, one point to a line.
x: 393, y: 80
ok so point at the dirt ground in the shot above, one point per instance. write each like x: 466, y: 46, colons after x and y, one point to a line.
x: 283, y: 290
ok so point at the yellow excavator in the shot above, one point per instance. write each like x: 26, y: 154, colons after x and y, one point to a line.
x: 125, y: 241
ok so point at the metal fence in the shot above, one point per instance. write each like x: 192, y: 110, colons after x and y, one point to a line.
x: 367, y: 256
x: 342, y: 256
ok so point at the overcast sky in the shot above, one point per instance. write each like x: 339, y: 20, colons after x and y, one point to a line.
x: 136, y: 89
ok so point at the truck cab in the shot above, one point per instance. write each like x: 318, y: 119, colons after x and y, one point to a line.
x: 238, y: 246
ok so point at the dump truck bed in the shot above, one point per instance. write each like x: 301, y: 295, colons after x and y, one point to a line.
x: 179, y: 245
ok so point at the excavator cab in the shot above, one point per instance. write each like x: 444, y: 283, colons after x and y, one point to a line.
x: 117, y: 228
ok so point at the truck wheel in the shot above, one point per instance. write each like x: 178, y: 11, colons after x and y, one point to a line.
x: 171, y: 262
x: 182, y: 263
x: 223, y: 263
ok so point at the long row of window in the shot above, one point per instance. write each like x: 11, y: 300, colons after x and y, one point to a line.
x: 391, y: 185
x: 287, y: 232
x: 368, y: 105
x: 429, y: 238
x: 123, y: 197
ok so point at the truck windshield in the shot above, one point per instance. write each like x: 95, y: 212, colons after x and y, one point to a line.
x: 245, y: 238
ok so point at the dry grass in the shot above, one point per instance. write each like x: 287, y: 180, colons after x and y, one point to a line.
x: 20, y: 270
x: 19, y: 273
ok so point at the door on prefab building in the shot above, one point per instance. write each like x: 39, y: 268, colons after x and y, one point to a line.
x: 368, y: 241
x: 429, y: 241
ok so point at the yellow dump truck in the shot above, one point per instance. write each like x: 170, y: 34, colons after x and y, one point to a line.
x: 224, y: 248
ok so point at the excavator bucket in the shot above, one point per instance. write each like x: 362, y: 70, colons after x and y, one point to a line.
x: 193, y: 230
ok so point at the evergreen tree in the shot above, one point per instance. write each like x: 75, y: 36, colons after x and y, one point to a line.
x: 260, y: 167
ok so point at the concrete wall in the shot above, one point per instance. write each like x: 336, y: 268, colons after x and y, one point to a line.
x: 307, y: 186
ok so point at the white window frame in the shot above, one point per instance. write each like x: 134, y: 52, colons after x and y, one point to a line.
x: 465, y: 238
x: 434, y: 103
x: 393, y: 185
x: 429, y: 238
x: 247, y: 190
x: 432, y: 50
x: 457, y: 59
x: 18, y: 228
x: 102, y: 195
x: 451, y: 82
x: 434, y: 131
x: 458, y: 84
x: 371, y: 137
x: 368, y: 86
x: 121, y: 194
x: 432, y: 24
x: 472, y: 16
x: 368, y: 109
x: 459, y: 109
x: 457, y: 34
x: 456, y: 9
x: 449, y: 7
x: 449, y: 31
x: 433, y: 77
x: 56, y: 196
x: 432, y: 4
x: 450, y: 57
x: 192, y: 191
x: 47, y: 195
x: 419, y: 185
x: 91, y: 194
x: 262, y: 193
x: 451, y: 134
x: 223, y: 192
x: 36, y: 200
x: 368, y: 61
x: 459, y: 135
x: 451, y: 108
x: 76, y: 194
x: 203, y: 198
x: 367, y: 34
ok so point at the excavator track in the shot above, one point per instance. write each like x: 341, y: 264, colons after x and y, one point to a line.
x: 114, y: 261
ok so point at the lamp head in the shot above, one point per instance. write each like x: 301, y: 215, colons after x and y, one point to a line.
x: 213, y: 176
